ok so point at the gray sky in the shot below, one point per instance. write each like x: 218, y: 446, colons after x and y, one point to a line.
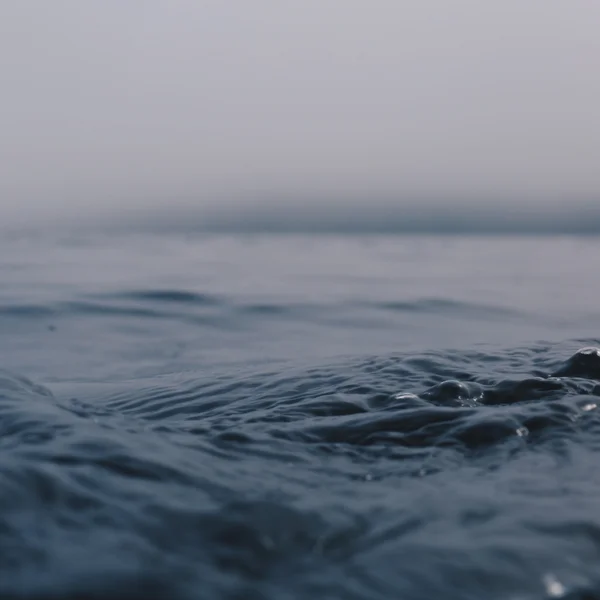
x: 113, y: 103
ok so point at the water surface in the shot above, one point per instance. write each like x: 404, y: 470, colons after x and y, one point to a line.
x: 262, y: 416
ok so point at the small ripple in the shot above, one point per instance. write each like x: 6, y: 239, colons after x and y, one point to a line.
x: 170, y: 297
x: 26, y: 310
x: 445, y: 306
x: 270, y: 309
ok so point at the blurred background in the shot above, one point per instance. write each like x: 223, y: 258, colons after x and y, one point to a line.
x: 272, y: 114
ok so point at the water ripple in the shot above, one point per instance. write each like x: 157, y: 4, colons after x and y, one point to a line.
x: 274, y: 484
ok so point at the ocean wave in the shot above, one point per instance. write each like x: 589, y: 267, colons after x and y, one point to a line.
x: 443, y: 474
x: 181, y: 304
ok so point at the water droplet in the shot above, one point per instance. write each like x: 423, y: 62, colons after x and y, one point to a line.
x: 522, y: 431
x: 589, y: 406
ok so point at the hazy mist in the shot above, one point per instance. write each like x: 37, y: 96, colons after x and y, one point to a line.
x: 125, y: 105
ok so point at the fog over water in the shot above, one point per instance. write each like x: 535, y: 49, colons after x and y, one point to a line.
x: 464, y: 110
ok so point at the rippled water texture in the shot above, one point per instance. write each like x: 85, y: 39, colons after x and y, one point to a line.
x: 294, y: 417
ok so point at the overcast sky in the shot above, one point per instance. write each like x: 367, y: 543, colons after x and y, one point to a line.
x: 113, y: 103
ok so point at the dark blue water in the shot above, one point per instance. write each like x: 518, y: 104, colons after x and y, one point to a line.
x: 256, y: 417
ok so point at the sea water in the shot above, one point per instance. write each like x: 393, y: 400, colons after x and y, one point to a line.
x: 291, y: 416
